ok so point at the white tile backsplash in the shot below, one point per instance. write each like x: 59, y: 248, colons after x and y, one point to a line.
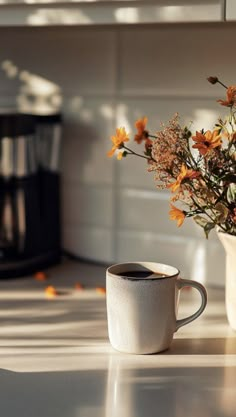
x: 196, y: 259
x: 88, y: 124
x: 110, y: 77
x: 90, y: 205
x: 146, y: 210
x: 175, y: 60
x: 92, y: 243
x: 76, y: 60
x: 178, y: 251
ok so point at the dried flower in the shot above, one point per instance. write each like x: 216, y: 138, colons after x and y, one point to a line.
x: 212, y: 80
x: 199, y: 170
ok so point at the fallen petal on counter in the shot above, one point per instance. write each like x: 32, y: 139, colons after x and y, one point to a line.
x: 101, y: 290
x: 79, y: 286
x: 51, y: 292
x: 40, y: 276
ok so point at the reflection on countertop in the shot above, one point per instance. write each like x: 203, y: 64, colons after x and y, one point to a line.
x: 56, y: 359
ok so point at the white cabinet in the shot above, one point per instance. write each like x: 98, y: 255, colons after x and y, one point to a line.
x: 230, y: 10
x: 97, y: 12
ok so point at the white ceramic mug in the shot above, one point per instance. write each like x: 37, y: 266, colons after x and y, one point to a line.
x: 142, y: 312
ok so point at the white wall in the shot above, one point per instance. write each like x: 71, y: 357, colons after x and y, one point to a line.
x: 111, y: 210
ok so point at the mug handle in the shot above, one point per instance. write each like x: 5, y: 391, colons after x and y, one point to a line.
x: 189, y: 283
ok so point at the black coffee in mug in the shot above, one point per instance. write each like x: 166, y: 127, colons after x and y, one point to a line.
x: 142, y: 274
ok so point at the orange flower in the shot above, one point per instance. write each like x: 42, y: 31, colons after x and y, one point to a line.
x: 120, y: 156
x: 176, y: 214
x: 184, y: 174
x: 142, y: 134
x: 206, y: 141
x: 118, y: 140
x: 231, y: 97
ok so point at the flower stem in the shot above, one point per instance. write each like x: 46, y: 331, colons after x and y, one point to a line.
x: 223, y: 85
x: 131, y: 152
x: 152, y: 136
x: 207, y: 214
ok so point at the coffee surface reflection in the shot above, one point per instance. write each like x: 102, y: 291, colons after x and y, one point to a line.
x: 142, y: 274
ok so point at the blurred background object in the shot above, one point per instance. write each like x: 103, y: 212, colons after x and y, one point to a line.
x: 29, y: 193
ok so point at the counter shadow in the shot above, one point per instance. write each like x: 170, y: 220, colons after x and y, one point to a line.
x: 202, y: 346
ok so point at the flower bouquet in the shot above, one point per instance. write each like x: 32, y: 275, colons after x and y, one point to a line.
x: 198, y: 169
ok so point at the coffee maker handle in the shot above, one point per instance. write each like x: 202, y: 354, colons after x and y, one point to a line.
x: 189, y: 283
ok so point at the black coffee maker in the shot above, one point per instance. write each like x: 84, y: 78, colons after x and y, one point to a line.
x: 29, y: 193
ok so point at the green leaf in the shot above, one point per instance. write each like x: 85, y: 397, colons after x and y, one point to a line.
x: 148, y: 152
x: 205, y: 224
x: 201, y: 221
x: 209, y: 226
x: 231, y: 193
x: 221, y: 212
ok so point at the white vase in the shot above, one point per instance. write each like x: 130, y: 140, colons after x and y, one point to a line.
x: 229, y: 243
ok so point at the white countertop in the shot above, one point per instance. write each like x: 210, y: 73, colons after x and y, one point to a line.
x: 56, y: 360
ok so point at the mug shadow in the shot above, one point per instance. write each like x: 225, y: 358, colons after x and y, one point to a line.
x: 202, y: 346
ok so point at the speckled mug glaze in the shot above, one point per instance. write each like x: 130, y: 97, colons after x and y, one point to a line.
x: 142, y: 312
